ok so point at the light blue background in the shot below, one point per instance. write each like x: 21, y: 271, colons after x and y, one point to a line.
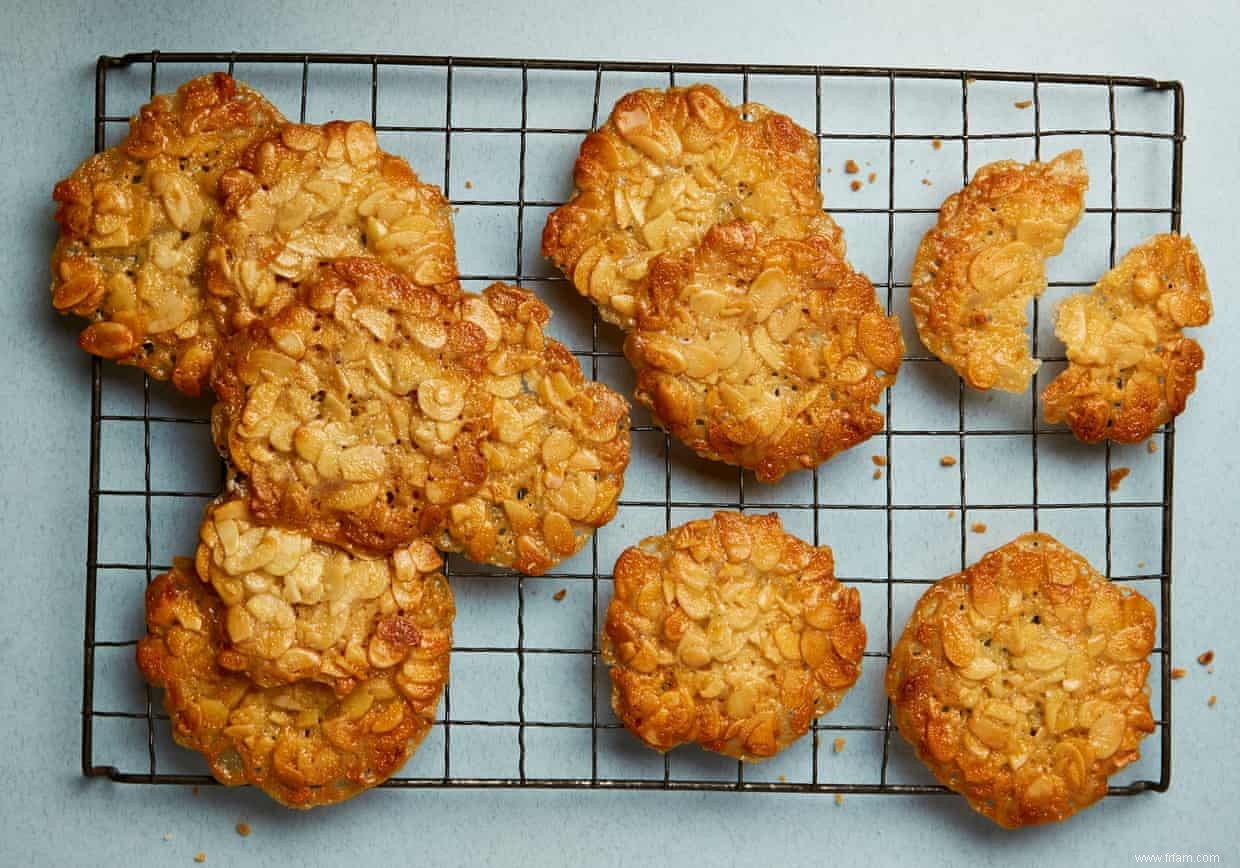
x: 49, y: 815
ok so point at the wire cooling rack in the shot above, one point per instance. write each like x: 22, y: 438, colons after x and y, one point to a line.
x: 529, y: 701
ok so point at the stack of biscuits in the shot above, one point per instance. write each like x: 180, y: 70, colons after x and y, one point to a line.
x: 372, y: 415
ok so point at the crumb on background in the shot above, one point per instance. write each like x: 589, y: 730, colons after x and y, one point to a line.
x: 839, y: 798
x: 878, y: 474
x: 978, y: 527
x: 1023, y: 103
x: 927, y: 182
x: 948, y: 461
x: 243, y: 829
x: 855, y: 186
x: 1213, y: 699
x: 851, y: 167
x: 1178, y: 673
x: 560, y: 594
x: 469, y: 185
x: 872, y: 177
x: 879, y: 460
x: 1117, y: 476
x: 201, y: 857
x: 783, y: 779
x: 951, y: 513
x: 1206, y: 658
x: 1151, y: 446
x: 838, y: 744
x: 937, y: 144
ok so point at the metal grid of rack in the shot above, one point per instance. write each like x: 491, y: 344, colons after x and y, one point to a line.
x: 524, y: 740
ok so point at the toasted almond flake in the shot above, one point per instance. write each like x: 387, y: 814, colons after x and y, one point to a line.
x: 1151, y: 446
x: 855, y: 186
x: 878, y: 474
x: 879, y: 460
x: 936, y: 144
x: 560, y: 594
x: 978, y: 527
x: 1213, y: 700
x: 1206, y: 658
x: 838, y: 744
x: 1023, y: 103
x: 947, y: 461
x: 851, y: 167
x: 872, y: 177
x: 1116, y: 477
x: 243, y: 829
x: 839, y: 799
x: 1178, y: 673
x: 951, y: 513
x: 200, y: 857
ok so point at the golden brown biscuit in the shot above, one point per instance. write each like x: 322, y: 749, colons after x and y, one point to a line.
x: 666, y: 167
x: 355, y: 414
x: 301, y: 743
x: 731, y: 633
x: 296, y: 609
x: 1130, y: 367
x: 304, y: 194
x: 556, y: 449
x: 135, y: 222
x: 1021, y: 682
x: 978, y: 268
x: 762, y: 351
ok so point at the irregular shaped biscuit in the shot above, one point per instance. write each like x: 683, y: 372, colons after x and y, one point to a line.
x: 556, y: 450
x: 298, y: 610
x: 304, y: 194
x: 1130, y: 367
x: 135, y: 222
x: 1021, y: 682
x: 978, y: 268
x: 666, y: 167
x: 731, y: 633
x: 352, y: 413
x: 761, y: 351
x: 301, y: 743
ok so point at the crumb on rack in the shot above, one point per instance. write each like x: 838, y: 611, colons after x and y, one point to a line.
x: 951, y: 513
x: 201, y: 857
x: 851, y: 167
x: 560, y: 594
x: 839, y: 799
x: 878, y: 474
x: 927, y: 182
x: 948, y: 461
x: 879, y: 460
x: 1151, y: 446
x: 1117, y: 476
x: 1023, y: 103
x: 970, y: 81
x: 855, y: 186
x: 1213, y: 699
x: 937, y: 144
x: 1206, y: 658
x: 469, y: 185
x: 838, y: 744
x: 1178, y: 673
x: 783, y: 779
x: 243, y: 829
x: 978, y: 527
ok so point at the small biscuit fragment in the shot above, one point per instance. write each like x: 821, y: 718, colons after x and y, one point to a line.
x: 555, y: 445
x: 135, y: 224
x: 303, y: 194
x: 731, y: 633
x: 296, y: 609
x: 764, y: 352
x: 355, y: 414
x: 982, y: 263
x: 1022, y: 682
x: 1130, y: 367
x: 665, y: 167
x: 303, y: 743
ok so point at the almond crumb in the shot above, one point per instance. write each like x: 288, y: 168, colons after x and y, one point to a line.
x: 1178, y: 673
x: 201, y: 857
x: 851, y: 167
x: 1213, y: 699
x: 1206, y: 658
x: 1116, y: 477
x: 879, y: 460
x: 243, y: 829
x: 948, y: 461
x: 951, y: 513
x: 469, y: 185
x: 1151, y: 446
x: 783, y: 779
x: 1023, y: 103
x: 839, y: 799
x: 560, y: 594
x: 878, y: 474
x: 855, y: 186
x: 937, y: 144
x: 927, y: 182
x: 873, y: 176
x: 838, y: 744
x: 978, y: 527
